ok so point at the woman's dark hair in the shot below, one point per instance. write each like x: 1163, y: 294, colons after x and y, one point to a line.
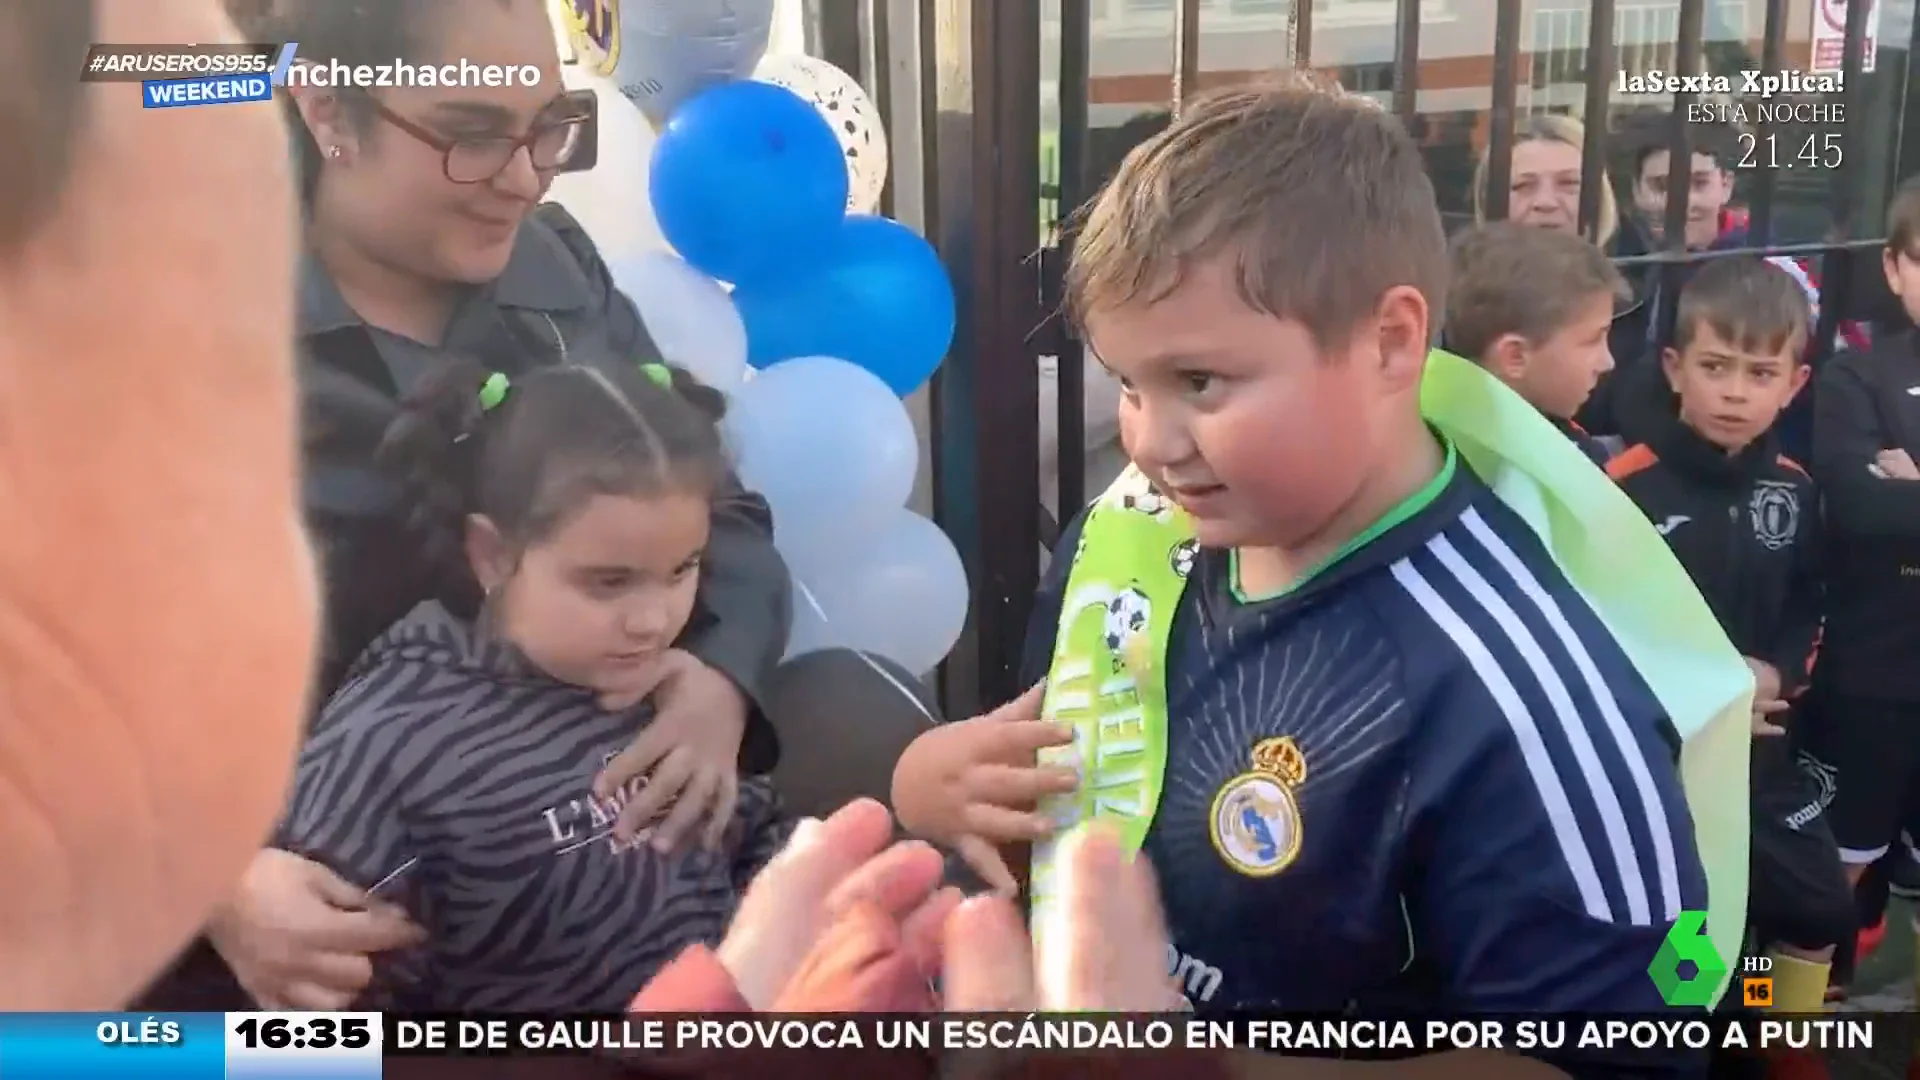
x: 528, y: 454
x: 352, y: 32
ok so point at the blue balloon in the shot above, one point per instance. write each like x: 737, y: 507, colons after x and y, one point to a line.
x: 747, y: 177
x: 877, y: 297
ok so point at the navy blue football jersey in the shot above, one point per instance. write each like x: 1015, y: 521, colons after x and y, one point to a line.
x: 1465, y: 796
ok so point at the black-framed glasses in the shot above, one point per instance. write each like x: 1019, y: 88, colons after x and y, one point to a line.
x: 551, y: 142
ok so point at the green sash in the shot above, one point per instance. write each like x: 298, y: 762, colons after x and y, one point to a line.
x: 1108, y: 674
x: 1107, y: 677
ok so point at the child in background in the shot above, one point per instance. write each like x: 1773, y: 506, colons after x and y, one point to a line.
x: 1380, y: 751
x: 1533, y: 307
x: 453, y: 770
x: 1866, y: 439
x: 1744, y: 521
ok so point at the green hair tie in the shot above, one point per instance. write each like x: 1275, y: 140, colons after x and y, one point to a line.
x: 659, y: 374
x: 493, y: 391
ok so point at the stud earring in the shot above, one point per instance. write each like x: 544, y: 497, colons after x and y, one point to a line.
x: 333, y: 152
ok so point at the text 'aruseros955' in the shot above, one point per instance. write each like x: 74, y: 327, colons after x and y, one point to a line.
x: 176, y: 75
x: 140, y: 63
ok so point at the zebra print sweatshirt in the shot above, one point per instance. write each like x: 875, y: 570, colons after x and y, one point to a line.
x: 451, y: 776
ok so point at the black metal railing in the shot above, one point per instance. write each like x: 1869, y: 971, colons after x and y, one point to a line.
x: 979, y: 130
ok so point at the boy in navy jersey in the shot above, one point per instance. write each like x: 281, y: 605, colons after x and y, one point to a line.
x: 1744, y: 520
x: 1382, y: 754
x: 1533, y: 307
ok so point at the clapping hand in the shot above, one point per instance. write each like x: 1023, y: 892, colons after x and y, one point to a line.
x: 838, y: 912
x: 1106, y: 951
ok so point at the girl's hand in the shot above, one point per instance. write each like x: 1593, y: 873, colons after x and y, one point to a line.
x: 299, y: 937
x: 974, y: 784
x: 838, y: 875
x: 689, y: 753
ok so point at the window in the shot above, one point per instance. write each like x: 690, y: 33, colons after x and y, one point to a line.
x: 1257, y: 7
x: 1367, y: 78
x: 1559, y: 47
x: 1644, y: 36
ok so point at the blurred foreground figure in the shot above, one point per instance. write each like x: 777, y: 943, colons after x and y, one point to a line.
x: 157, y: 606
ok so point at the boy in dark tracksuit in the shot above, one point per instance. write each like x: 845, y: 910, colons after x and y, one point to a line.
x: 1867, y: 690
x: 1532, y: 306
x: 1744, y: 521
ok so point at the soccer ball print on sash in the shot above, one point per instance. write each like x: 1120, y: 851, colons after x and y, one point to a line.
x: 1108, y: 679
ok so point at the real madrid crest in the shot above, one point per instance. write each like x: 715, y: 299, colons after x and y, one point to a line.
x: 1255, y: 820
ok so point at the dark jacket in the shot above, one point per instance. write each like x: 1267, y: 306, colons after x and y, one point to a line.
x: 1746, y: 527
x: 1640, y: 402
x: 1869, y: 402
x: 456, y: 778
x: 554, y: 303
x: 1597, y: 449
x: 1634, y: 337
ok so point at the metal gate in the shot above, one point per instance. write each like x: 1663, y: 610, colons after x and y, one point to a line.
x: 997, y: 181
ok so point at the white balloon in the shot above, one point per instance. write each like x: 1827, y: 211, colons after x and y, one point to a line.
x: 688, y: 315
x: 844, y: 102
x: 662, y: 52
x: 831, y: 449
x: 901, y: 593
x: 610, y: 199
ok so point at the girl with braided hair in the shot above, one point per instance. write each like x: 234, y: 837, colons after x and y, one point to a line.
x: 563, y: 516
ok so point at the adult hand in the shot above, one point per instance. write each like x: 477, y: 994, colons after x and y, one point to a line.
x: 1105, y: 948
x: 299, y: 937
x: 867, y: 963
x: 688, y: 753
x: 827, y: 870
x: 1897, y: 465
x: 974, y: 784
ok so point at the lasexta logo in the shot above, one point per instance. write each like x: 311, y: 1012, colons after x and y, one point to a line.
x: 1687, y: 943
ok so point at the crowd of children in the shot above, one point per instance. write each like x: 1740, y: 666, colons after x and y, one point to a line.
x: 1812, y: 572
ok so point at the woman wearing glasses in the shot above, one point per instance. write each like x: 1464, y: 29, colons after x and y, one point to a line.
x: 426, y: 239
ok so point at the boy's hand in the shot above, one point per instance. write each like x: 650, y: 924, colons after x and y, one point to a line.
x: 1766, y: 697
x: 1897, y: 465
x: 1763, y: 727
x: 973, y: 784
